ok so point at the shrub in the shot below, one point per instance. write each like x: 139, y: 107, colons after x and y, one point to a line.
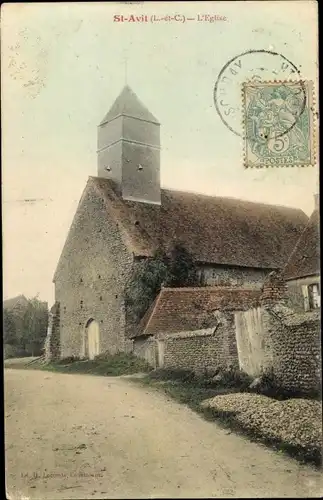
x: 68, y: 359
x: 230, y: 377
x: 177, y: 374
x: 268, y: 385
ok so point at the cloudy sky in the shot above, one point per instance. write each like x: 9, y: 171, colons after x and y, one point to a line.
x: 63, y: 66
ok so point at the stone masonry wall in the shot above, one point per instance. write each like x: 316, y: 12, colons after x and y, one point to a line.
x: 91, y: 278
x: 274, y: 289
x: 202, y: 350
x: 232, y: 276
x: 295, y: 346
x: 52, y: 342
x: 275, y: 337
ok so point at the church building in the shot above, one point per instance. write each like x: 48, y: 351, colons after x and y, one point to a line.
x: 124, y: 216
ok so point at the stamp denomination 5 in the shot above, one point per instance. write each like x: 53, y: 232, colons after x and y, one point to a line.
x: 278, y: 124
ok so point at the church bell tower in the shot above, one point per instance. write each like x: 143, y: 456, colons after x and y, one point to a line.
x: 129, y: 149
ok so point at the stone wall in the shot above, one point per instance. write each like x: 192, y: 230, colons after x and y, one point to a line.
x: 91, y: 277
x: 52, y: 342
x: 200, y: 350
x: 275, y: 337
x: 232, y: 276
x: 295, y: 344
x: 274, y: 289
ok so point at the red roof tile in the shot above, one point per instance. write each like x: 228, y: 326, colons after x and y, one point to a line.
x: 188, y: 309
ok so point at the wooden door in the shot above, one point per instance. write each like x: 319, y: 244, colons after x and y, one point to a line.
x: 93, y: 337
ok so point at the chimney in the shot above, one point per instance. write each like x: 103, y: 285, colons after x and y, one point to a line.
x: 317, y: 202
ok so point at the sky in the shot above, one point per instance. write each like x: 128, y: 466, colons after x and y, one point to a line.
x: 63, y: 65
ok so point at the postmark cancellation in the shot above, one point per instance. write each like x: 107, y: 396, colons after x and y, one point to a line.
x: 278, y: 124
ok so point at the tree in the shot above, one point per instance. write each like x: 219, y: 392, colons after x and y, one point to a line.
x: 34, y: 326
x: 25, y: 327
x: 146, y: 284
x: 174, y: 270
x: 9, y: 328
x: 181, y: 268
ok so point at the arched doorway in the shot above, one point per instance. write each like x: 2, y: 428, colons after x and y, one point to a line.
x: 93, y: 338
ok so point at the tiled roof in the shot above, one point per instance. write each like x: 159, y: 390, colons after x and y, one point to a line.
x: 188, y: 309
x: 127, y: 103
x: 213, y: 229
x: 305, y: 258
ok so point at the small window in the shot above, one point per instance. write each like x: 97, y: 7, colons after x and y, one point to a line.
x: 81, y: 280
x: 311, y: 296
x: 99, y: 276
x: 101, y: 297
x: 314, y: 297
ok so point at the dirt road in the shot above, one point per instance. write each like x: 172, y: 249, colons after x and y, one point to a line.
x: 79, y: 436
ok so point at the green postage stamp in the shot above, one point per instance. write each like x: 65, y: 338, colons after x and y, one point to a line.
x: 278, y: 124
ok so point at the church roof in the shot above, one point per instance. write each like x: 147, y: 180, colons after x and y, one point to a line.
x: 305, y: 257
x: 127, y: 103
x: 188, y: 309
x: 213, y: 229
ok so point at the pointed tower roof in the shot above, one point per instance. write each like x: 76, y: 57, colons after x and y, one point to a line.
x: 127, y: 103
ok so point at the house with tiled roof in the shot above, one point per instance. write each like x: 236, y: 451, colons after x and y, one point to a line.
x: 199, y: 320
x: 302, y: 270
x: 125, y: 216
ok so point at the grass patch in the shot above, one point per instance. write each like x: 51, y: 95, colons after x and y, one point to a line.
x: 104, y: 365
x: 187, y: 388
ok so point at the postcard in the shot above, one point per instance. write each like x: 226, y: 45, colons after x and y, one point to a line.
x: 161, y: 259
